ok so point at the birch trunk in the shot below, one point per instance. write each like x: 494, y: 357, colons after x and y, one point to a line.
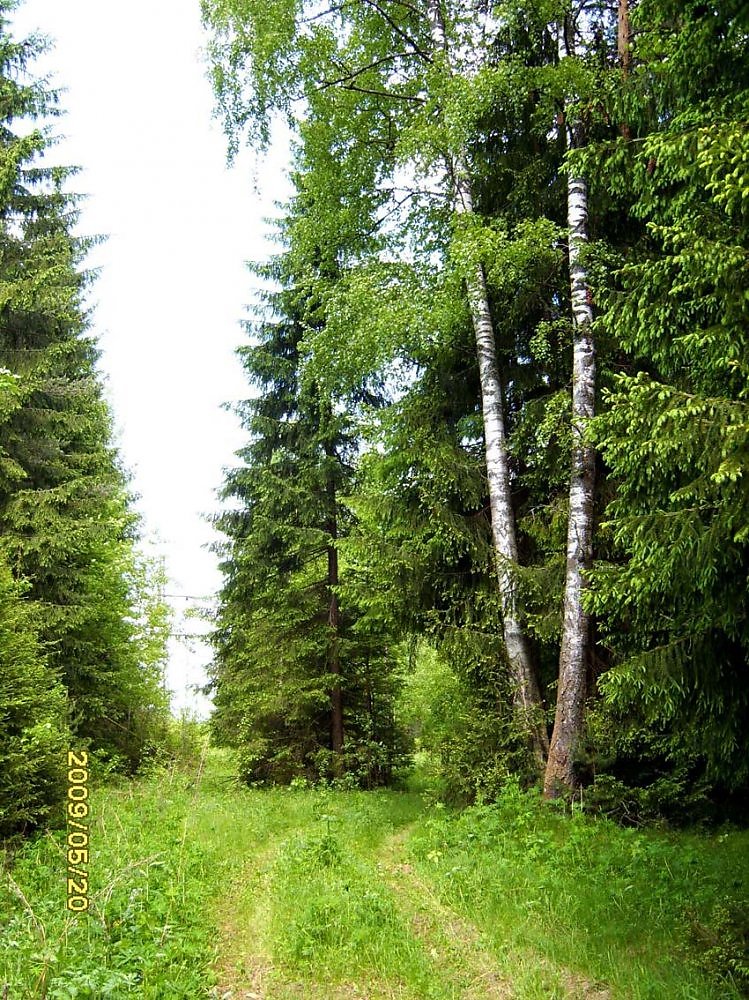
x: 334, y: 660
x: 573, y: 657
x: 526, y: 690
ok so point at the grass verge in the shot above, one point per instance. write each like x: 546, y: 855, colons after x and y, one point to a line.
x: 622, y: 908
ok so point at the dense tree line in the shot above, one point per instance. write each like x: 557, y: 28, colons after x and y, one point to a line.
x: 513, y: 279
x: 82, y: 630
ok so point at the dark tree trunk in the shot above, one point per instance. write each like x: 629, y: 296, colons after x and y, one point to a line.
x: 334, y: 661
x: 334, y: 619
x: 624, y: 49
x: 624, y: 38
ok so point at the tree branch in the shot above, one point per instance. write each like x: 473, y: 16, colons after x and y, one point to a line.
x: 336, y: 9
x: 352, y: 75
x: 383, y: 93
x: 399, y: 31
x: 409, y: 6
x: 379, y: 223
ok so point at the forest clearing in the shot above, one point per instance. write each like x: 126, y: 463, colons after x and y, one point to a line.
x: 203, y: 888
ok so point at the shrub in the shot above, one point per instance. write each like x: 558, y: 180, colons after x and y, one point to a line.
x: 32, y: 719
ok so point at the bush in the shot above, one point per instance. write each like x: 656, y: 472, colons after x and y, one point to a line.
x: 466, y: 743
x: 722, y: 942
x: 32, y: 720
x: 182, y: 741
x: 643, y: 775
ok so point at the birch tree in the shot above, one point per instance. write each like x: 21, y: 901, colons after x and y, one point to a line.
x: 575, y: 648
x: 390, y: 59
x: 527, y: 694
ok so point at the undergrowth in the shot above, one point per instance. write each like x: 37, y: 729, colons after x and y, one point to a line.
x: 145, y: 934
x: 652, y: 914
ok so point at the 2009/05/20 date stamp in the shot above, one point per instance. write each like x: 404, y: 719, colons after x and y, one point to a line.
x: 78, y: 838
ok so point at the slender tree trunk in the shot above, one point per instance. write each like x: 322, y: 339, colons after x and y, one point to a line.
x: 624, y: 38
x: 575, y: 649
x: 334, y: 659
x: 527, y: 693
x: 373, y: 771
x: 624, y: 50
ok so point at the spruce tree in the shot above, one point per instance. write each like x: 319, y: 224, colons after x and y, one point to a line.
x: 297, y: 689
x: 673, y: 599
x: 67, y: 527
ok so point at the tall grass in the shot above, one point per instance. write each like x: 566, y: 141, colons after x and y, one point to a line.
x: 628, y: 908
x: 197, y: 882
x: 145, y: 934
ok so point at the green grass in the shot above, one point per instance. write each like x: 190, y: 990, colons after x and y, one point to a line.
x: 626, y: 908
x: 145, y: 934
x: 198, y: 884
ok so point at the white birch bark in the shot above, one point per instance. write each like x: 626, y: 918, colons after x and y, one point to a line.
x: 573, y: 657
x: 526, y: 690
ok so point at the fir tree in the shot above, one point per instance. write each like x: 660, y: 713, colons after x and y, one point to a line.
x: 675, y: 430
x: 298, y: 689
x: 68, y: 530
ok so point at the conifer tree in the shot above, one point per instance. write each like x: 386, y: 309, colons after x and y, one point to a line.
x: 674, y: 431
x: 297, y: 689
x: 67, y: 528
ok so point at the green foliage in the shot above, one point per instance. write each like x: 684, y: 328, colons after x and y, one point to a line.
x: 169, y: 867
x: 722, y: 940
x: 466, y: 744
x: 331, y: 913
x: 380, y: 261
x: 672, y: 600
x: 91, y: 633
x: 642, y: 774
x: 32, y: 718
x: 181, y: 743
x: 146, y: 934
x: 198, y: 882
x: 289, y: 628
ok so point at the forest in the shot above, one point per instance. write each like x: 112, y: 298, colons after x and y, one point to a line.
x: 479, y: 658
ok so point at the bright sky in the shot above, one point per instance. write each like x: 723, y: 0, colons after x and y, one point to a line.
x: 173, y: 285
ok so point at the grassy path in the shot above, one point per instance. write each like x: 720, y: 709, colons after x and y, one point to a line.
x: 447, y: 956
x: 203, y: 889
x: 440, y: 943
x: 454, y: 944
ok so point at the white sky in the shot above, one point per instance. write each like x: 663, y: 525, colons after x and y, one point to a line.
x: 173, y: 285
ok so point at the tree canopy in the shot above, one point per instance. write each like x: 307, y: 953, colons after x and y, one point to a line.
x: 567, y: 180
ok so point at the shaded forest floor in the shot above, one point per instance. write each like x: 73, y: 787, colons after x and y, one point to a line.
x: 200, y: 888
